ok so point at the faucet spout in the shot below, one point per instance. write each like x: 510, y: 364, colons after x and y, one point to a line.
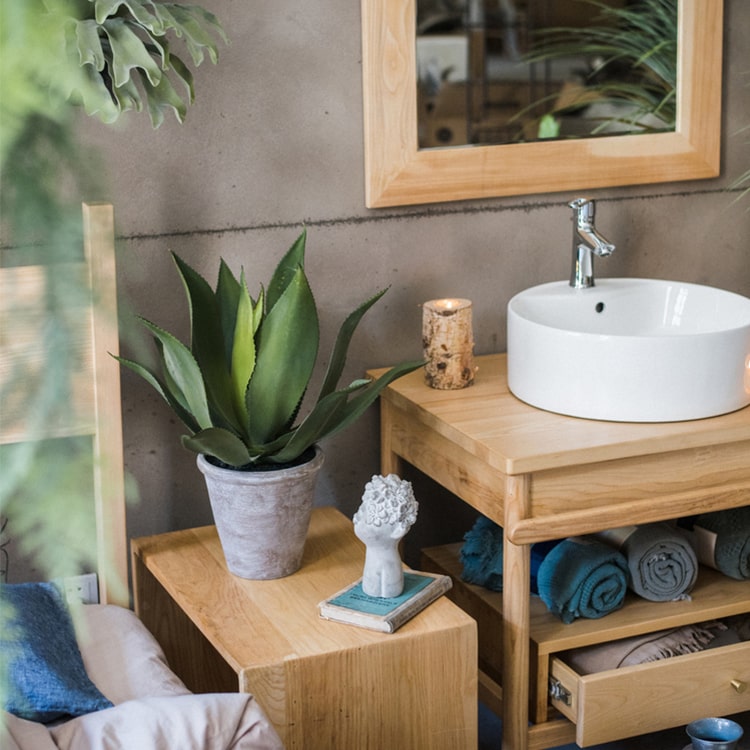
x: 587, y: 242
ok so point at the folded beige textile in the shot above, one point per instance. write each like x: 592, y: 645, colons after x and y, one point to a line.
x: 644, y: 648
x: 153, y: 708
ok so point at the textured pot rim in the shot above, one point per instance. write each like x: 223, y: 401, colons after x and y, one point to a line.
x: 236, y: 476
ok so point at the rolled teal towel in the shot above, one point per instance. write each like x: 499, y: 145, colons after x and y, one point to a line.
x: 482, y: 556
x: 583, y: 577
x: 731, y: 546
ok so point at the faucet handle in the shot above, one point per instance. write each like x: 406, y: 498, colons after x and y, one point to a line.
x: 583, y: 210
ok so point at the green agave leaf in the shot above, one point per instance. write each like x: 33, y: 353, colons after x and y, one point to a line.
x: 128, y: 52
x: 184, y: 371
x: 219, y: 443
x: 153, y: 380
x: 287, y: 346
x: 106, y: 8
x: 324, y: 416
x: 170, y: 384
x: 258, y: 311
x: 228, y: 299
x: 243, y: 351
x: 341, y: 347
x: 357, y: 405
x: 206, y: 341
x: 286, y: 269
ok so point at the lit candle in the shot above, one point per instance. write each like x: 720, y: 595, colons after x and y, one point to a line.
x: 448, y: 343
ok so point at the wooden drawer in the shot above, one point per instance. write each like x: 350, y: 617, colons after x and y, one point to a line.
x: 649, y: 697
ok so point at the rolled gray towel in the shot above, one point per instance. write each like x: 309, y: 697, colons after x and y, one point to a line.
x: 662, y: 564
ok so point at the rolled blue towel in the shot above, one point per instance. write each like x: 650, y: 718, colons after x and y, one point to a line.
x: 583, y: 577
x: 482, y: 556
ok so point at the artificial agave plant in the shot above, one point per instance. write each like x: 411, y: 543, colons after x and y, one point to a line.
x: 239, y: 386
x: 125, y: 56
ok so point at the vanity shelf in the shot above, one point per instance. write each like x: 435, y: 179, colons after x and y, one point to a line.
x: 544, y: 476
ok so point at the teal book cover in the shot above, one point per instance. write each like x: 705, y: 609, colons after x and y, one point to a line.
x: 386, y: 614
x: 355, y: 597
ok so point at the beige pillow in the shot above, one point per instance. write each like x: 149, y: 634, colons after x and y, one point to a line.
x: 121, y: 656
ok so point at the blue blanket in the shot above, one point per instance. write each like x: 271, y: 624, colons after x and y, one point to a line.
x: 482, y: 556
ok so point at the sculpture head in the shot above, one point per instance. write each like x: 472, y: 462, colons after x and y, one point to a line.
x: 388, y: 508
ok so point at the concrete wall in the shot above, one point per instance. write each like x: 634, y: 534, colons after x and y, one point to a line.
x: 274, y: 141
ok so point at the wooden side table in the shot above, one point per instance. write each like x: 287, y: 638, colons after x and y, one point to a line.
x: 323, y: 684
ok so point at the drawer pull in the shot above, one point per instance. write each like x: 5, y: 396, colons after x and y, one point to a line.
x: 739, y: 685
x: 559, y: 692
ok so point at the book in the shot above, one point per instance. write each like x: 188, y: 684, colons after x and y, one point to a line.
x: 385, y: 614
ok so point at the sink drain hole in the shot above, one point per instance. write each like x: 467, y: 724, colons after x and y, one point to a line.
x: 599, y: 307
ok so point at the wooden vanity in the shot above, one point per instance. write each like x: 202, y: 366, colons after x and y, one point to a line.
x: 544, y: 476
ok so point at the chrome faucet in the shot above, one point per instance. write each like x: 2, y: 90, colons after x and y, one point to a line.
x: 587, y: 242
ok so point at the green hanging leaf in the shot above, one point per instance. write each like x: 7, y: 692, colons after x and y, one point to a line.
x: 129, y: 52
x: 104, y: 9
x: 197, y: 39
x: 96, y: 97
x: 128, y: 97
x: 161, y: 98
x: 184, y: 74
x: 89, y: 44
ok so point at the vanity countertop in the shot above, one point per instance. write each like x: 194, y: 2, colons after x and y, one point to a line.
x: 515, y: 438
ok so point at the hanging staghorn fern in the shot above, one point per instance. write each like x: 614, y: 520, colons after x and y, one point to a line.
x: 123, y: 48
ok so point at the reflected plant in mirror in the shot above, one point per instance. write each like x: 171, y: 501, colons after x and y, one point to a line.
x: 510, y: 71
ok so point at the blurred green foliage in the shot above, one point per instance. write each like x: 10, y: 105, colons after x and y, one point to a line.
x: 58, y: 57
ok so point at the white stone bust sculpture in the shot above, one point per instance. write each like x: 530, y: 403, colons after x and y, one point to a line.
x: 387, y: 512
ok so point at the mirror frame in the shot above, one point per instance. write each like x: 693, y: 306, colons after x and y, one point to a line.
x: 398, y: 173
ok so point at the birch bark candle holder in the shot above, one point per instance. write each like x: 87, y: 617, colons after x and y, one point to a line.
x: 448, y: 343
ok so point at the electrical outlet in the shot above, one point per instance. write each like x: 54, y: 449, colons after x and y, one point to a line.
x: 83, y: 588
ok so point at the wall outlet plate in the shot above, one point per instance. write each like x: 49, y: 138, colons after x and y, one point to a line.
x: 83, y: 588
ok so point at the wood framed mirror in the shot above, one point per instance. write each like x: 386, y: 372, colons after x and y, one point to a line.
x: 399, y: 173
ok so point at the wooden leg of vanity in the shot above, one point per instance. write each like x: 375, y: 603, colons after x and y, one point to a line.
x: 390, y: 462
x: 516, y: 627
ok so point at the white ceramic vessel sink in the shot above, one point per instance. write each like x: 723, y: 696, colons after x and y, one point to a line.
x: 630, y: 350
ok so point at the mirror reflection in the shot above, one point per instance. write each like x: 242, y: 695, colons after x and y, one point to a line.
x: 512, y: 71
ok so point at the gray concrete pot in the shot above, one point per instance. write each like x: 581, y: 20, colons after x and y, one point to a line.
x: 262, y: 516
